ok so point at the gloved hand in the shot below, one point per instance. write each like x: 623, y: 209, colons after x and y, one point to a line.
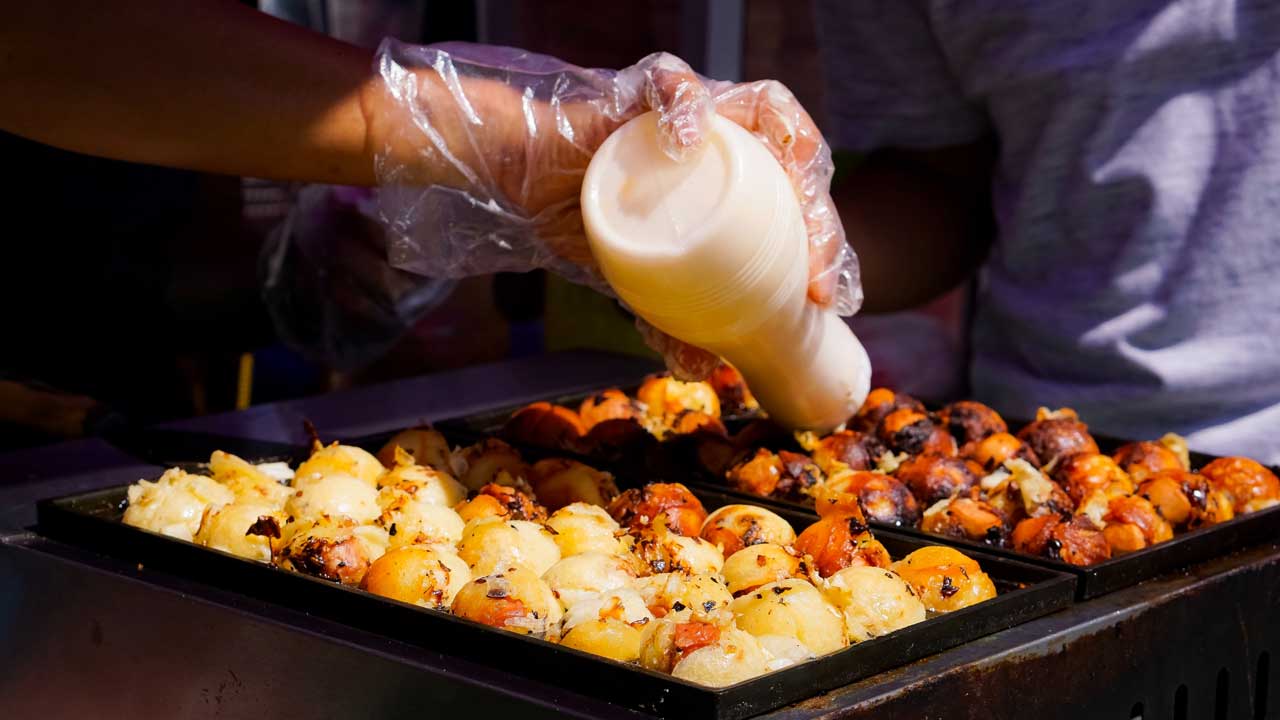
x: 480, y: 152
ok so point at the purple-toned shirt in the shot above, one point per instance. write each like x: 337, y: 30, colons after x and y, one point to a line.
x: 1136, y: 271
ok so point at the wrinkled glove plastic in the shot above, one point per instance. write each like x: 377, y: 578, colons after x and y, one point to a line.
x: 481, y: 152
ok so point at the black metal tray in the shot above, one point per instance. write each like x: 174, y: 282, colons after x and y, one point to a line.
x: 92, y: 521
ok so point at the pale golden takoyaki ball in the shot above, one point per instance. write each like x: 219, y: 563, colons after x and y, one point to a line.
x: 676, y: 595
x: 491, y: 545
x: 410, y: 520
x: 339, y: 460
x: 429, y: 576
x: 582, y: 527
x: 733, y: 527
x: 664, y: 550
x: 751, y: 567
x: 249, y: 482
x: 426, y: 484
x: 175, y: 504
x: 607, y: 637
x: 336, y: 550
x: 227, y: 528
x: 624, y: 604
x: 784, y: 651
x: 792, y: 608
x: 513, y: 599
x: 945, y: 579
x: 873, y: 601
x: 735, y: 657
x: 422, y: 446
x: 588, y: 574
x: 335, y: 495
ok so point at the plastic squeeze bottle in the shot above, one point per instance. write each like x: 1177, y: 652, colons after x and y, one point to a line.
x: 713, y: 251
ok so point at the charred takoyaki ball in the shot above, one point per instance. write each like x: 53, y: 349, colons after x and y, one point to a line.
x: 582, y: 528
x: 1132, y: 523
x: 907, y: 430
x: 994, y: 450
x: 855, y: 450
x: 1141, y: 459
x: 558, y: 482
x: 1081, y: 474
x: 1056, y: 435
x: 502, y: 502
x: 339, y: 460
x: 800, y: 476
x: 250, y: 483
x: 1020, y: 490
x: 706, y: 653
x: 966, y: 517
x: 664, y: 550
x: 429, y: 576
x: 512, y: 598
x: 970, y: 421
x: 881, y: 497
x: 1186, y: 499
x: 932, y: 478
x: 757, y: 565
x: 793, y: 609
x: 879, y: 403
x: 425, y: 446
x: 638, y: 508
x: 664, y: 398
x: 874, y: 601
x: 734, y: 527
x: 945, y: 579
x: 839, y: 541
x: 544, y: 425
x: 1250, y: 485
x: 175, y: 504
x: 1074, y: 540
x: 493, y: 461
x: 782, y: 474
x: 693, y: 422
x: 612, y: 404
x: 336, y: 550
x: 491, y: 545
x: 731, y: 389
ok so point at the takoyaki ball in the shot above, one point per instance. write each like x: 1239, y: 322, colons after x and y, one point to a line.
x: 733, y: 527
x: 339, y: 460
x: 544, y: 425
x: 425, y: 483
x: 665, y: 397
x: 243, y: 528
x: 839, y: 541
x: 1021, y: 490
x: 621, y: 435
x: 503, y: 502
x: 673, y: 638
x: 879, y: 403
x: 611, y: 404
x: 964, y: 517
x: 993, y: 451
x: 424, y: 445
x: 1080, y: 474
x: 587, y: 574
x: 717, y: 454
x: 581, y: 528
x: 932, y: 478
x: 249, y: 482
x: 731, y: 658
x: 490, y: 545
x: 334, y: 495
x: 1057, y: 435
x: 881, y: 497
x: 907, y: 430
x: 731, y: 389
x: 1141, y: 459
x: 757, y: 565
x: 558, y: 482
x: 873, y: 601
x: 969, y: 421
x: 411, y: 520
x: 1250, y: 486
x: 855, y: 450
x: 511, y: 598
x: 801, y: 477
x: 685, y: 597
x: 1186, y: 499
x: 945, y: 579
x: 664, y: 550
x: 1077, y: 540
x: 611, y: 624
x: 1132, y: 523
x: 335, y: 550
x: 493, y: 461
x: 757, y: 475
x: 429, y: 576
x: 693, y: 422
x: 638, y: 508
x: 792, y: 608
x: 175, y: 504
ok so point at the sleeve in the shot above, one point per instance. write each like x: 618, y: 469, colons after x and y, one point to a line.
x: 888, y: 80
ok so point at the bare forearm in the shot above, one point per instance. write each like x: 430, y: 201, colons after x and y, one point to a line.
x: 210, y: 85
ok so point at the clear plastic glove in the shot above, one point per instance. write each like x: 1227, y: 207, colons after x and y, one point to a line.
x: 481, y: 152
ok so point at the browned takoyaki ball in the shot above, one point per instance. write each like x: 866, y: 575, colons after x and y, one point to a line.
x: 966, y: 517
x: 734, y: 527
x: 501, y: 501
x: 1132, y: 523
x: 493, y: 461
x: 969, y: 421
x: 1085, y: 472
x: 1186, y: 499
x: 663, y: 396
x: 881, y: 497
x: 1250, y: 485
x: 1057, y: 436
x: 544, y: 425
x: 637, y: 508
x: 994, y: 450
x: 857, y: 450
x: 800, y: 475
x: 559, y: 481
x: 757, y: 475
x: 1075, y: 540
x: 907, y: 430
x: 731, y: 388
x: 690, y: 422
x: 611, y: 404
x: 839, y: 541
x: 1141, y: 459
x: 879, y: 403
x: 932, y: 478
x: 427, y: 446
